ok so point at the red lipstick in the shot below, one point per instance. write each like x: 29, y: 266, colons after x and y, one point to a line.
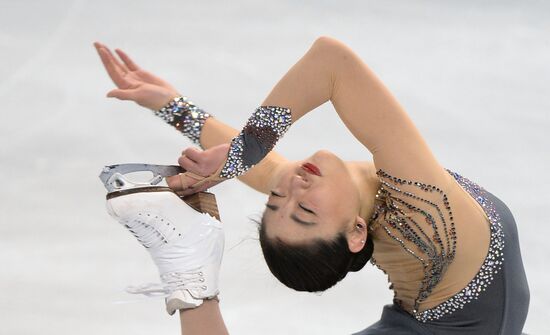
x: 311, y: 168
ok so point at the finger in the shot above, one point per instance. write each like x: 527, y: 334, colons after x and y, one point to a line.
x: 189, y: 165
x: 127, y: 60
x: 194, y: 154
x: 122, y: 67
x: 122, y: 94
x: 116, y: 75
x: 118, y: 65
x: 98, y: 45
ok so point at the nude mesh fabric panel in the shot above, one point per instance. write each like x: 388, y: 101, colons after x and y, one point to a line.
x: 404, y: 268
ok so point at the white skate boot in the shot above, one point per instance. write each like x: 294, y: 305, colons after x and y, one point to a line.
x: 185, y: 244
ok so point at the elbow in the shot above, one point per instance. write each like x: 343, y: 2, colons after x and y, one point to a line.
x: 332, y: 49
x: 328, y: 42
x: 325, y: 40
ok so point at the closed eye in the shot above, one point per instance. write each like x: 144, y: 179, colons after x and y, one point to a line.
x: 300, y: 205
x: 307, y: 210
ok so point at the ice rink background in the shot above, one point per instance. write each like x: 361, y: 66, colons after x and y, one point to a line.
x: 474, y: 76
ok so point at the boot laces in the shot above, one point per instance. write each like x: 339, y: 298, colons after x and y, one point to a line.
x: 172, y: 281
x: 151, y: 231
x: 154, y: 232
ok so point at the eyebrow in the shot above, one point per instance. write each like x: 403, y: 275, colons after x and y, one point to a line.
x: 292, y: 216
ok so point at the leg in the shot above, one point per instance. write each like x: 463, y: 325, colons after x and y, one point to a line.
x: 186, y: 243
x: 204, y: 320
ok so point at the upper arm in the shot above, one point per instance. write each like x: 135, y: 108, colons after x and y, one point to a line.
x: 375, y: 117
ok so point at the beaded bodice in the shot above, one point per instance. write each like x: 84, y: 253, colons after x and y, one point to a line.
x: 415, y: 234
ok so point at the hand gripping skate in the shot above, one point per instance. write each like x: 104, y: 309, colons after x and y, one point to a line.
x: 183, y: 235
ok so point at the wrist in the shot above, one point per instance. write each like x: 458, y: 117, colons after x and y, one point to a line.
x: 164, y: 99
x: 184, y: 115
x: 258, y: 137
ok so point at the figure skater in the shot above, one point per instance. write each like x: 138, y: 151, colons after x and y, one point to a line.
x: 449, y: 247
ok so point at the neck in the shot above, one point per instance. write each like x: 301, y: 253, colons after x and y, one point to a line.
x: 364, y: 174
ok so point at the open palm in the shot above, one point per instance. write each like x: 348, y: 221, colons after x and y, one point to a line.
x: 132, y: 82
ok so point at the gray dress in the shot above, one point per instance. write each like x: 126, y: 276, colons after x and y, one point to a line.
x: 495, y: 301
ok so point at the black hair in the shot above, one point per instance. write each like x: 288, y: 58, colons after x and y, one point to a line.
x: 313, y: 266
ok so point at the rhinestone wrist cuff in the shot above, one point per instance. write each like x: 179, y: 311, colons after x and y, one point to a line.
x: 181, y: 113
x: 258, y: 137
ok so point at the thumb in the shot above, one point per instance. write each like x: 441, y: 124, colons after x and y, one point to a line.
x: 121, y: 94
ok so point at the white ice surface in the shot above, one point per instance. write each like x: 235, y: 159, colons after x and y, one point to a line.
x: 474, y: 76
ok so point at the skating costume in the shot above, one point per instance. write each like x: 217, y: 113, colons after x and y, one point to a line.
x: 422, y: 240
x: 417, y: 220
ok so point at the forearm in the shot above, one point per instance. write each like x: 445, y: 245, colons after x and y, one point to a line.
x: 215, y: 132
x: 306, y: 85
x: 331, y: 71
x: 203, y: 320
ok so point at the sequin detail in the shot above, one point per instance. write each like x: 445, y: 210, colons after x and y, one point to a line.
x: 268, y: 124
x: 181, y: 113
x: 491, y: 265
x: 397, y: 213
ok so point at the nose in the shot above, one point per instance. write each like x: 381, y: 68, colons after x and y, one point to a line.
x: 300, y: 180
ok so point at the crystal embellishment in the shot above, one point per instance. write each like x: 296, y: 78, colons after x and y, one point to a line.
x: 262, y: 130
x: 397, y: 211
x: 491, y: 265
x: 185, y: 116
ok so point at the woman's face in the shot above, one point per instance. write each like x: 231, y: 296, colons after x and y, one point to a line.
x: 303, y: 205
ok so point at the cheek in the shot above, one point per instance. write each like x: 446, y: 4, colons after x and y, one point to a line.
x: 346, y: 196
x: 282, y: 179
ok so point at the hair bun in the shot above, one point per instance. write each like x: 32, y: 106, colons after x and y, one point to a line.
x: 362, y: 257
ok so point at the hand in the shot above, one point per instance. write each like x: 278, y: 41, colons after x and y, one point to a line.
x: 134, y: 83
x: 201, y: 164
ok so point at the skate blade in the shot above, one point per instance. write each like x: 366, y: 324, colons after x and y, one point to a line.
x: 114, y: 178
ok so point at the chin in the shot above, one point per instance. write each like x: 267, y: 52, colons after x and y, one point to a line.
x: 326, y: 161
x: 323, y: 155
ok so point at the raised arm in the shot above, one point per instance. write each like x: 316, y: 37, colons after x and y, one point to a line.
x: 138, y: 85
x: 331, y: 71
x: 259, y: 178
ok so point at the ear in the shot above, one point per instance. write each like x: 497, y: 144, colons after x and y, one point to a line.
x: 357, y: 236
